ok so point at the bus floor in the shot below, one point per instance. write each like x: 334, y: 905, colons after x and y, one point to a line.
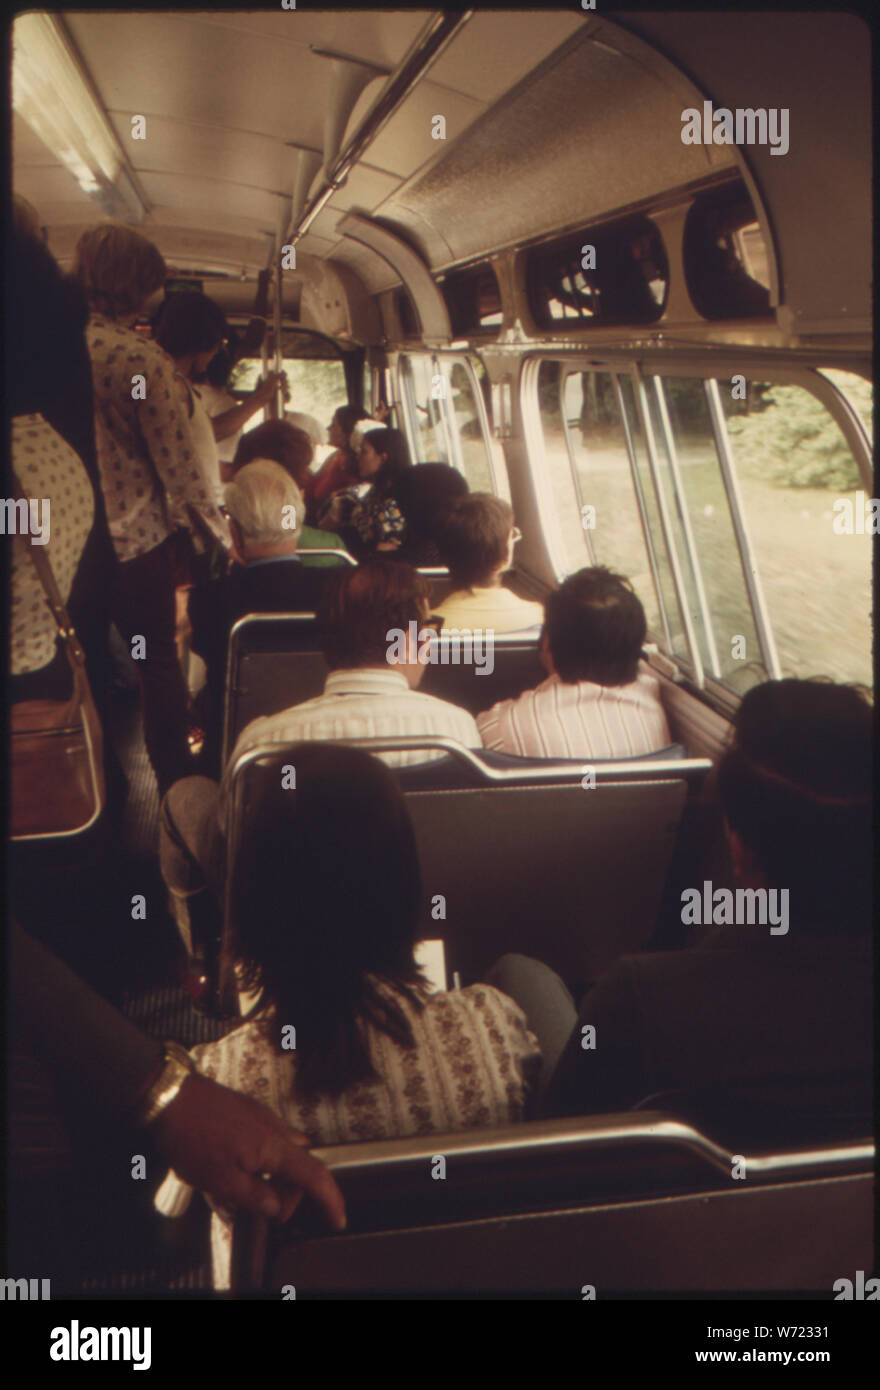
x: 78, y: 1214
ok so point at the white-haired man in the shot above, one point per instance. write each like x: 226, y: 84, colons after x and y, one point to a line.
x: 266, y: 514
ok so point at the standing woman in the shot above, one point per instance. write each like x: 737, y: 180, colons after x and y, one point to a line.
x: 375, y: 520
x: 153, y: 487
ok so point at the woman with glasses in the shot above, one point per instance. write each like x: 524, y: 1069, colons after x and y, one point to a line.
x: 475, y: 537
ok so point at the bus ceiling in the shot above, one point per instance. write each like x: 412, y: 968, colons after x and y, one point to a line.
x: 452, y: 138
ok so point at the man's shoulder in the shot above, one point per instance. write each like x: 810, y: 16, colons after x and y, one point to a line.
x: 442, y: 708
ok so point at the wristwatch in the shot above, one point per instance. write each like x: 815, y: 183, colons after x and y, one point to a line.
x: 178, y: 1065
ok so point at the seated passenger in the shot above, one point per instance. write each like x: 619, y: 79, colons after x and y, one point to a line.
x: 340, y: 470
x: 293, y: 449
x: 774, y: 1008
x: 425, y: 493
x: 476, y: 538
x: 348, y: 1042
x: 598, y: 700
x: 372, y: 520
x: 369, y: 693
x: 266, y: 577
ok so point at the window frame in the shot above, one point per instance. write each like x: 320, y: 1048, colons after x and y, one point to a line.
x: 441, y: 364
x: 710, y: 367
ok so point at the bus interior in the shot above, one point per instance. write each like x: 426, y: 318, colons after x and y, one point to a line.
x: 658, y: 350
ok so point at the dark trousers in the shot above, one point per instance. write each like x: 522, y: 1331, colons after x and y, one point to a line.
x: 143, y: 606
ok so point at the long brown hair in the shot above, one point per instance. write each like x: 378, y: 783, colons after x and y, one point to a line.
x: 325, y: 893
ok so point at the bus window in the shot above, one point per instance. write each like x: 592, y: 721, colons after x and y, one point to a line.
x: 317, y: 388
x: 859, y: 394
x: 611, y: 525
x: 422, y: 398
x: 581, y: 438
x: 716, y: 585
x: 806, y: 509
x: 467, y: 425
x: 445, y: 422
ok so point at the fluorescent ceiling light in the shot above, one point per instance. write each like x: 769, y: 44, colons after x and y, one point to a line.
x: 51, y: 93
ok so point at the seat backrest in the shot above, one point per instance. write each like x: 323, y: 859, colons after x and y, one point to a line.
x: 630, y: 1202
x: 531, y: 860
x: 274, y: 660
x: 477, y: 684
x: 545, y: 870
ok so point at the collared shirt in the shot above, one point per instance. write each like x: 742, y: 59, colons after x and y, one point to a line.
x: 147, y: 454
x: 473, y: 1063
x: 365, y: 703
x: 582, y: 720
x: 48, y: 469
x: 217, y: 401
x: 491, y: 610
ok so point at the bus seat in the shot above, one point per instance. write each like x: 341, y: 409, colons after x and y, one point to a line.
x: 439, y: 582
x: 527, y: 859
x: 635, y: 1202
x: 274, y: 661
x: 545, y: 870
x: 517, y: 667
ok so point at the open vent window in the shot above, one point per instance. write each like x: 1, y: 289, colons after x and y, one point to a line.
x: 726, y: 263
x: 473, y: 301
x: 613, y: 274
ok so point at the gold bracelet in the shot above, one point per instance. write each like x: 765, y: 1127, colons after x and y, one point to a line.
x: 166, y: 1088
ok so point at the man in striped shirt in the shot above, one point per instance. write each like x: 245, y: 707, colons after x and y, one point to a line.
x: 599, y: 700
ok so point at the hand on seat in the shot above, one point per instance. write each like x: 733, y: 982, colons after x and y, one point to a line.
x: 222, y: 1143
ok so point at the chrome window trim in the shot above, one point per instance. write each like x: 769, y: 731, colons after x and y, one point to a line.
x: 643, y: 514
x: 749, y: 564
x: 563, y: 378
x: 684, y: 513
x: 641, y: 396
x: 536, y: 454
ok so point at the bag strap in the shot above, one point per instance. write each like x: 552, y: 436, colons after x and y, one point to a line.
x: 46, y: 576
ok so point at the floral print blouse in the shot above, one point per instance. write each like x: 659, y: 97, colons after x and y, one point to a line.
x: 475, y: 1063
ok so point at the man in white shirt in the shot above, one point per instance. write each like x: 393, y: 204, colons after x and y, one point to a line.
x: 371, y: 692
x: 599, y: 700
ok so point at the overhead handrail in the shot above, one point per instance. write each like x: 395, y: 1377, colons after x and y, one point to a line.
x: 439, y: 32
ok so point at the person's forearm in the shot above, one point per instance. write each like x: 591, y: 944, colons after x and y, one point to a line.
x: 96, y: 1052
x: 230, y: 421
